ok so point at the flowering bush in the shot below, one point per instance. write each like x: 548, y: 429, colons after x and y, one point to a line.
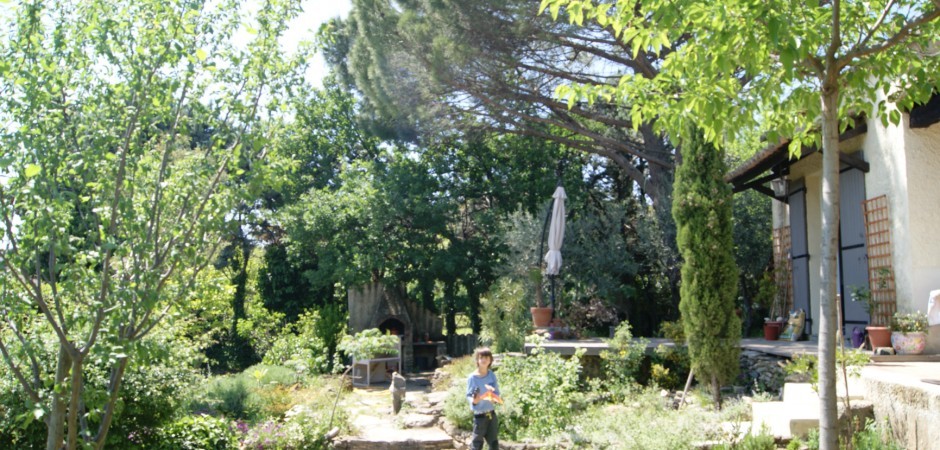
x: 622, y: 362
x: 303, y: 428
x: 915, y: 322
x: 199, y: 432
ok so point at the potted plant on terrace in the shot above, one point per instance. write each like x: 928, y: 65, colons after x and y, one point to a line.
x: 541, y: 315
x: 879, y: 336
x: 909, y: 333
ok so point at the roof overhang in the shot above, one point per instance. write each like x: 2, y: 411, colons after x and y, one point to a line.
x: 776, y: 159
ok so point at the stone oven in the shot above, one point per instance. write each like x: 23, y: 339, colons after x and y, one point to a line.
x: 388, y: 309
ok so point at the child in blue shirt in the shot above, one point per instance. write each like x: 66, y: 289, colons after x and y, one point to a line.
x: 481, y: 385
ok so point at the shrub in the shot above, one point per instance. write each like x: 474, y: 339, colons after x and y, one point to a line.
x: 154, y: 390
x: 645, y: 420
x: 674, y: 363
x: 200, y: 432
x: 303, y: 427
x: 457, y: 408
x: 308, y: 346
x: 751, y: 442
x: 621, y: 364
x: 256, y: 393
x: 504, y: 316
x: 541, y: 391
x: 594, y: 316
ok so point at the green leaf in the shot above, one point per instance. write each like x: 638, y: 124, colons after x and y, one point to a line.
x: 31, y: 171
x: 201, y: 54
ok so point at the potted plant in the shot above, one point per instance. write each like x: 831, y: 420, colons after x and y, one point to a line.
x: 909, y: 333
x: 878, y: 335
x: 775, y: 299
x: 541, y: 315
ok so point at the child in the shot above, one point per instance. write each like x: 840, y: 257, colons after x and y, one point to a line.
x: 482, y: 392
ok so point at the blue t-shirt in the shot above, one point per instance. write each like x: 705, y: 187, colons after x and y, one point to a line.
x: 477, y: 385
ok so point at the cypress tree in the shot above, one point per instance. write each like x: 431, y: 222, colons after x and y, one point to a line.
x: 702, y: 206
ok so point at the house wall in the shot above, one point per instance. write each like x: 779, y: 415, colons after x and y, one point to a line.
x: 905, y: 164
x: 923, y: 198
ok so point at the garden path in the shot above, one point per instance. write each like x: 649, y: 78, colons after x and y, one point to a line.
x: 415, y: 427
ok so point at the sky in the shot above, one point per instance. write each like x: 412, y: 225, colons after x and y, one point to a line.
x: 302, y: 28
x: 305, y: 27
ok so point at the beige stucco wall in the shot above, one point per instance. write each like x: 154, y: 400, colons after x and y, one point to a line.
x: 905, y: 164
x: 923, y: 172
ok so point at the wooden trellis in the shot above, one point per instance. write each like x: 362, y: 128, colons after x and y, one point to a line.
x: 783, y: 270
x: 880, y: 268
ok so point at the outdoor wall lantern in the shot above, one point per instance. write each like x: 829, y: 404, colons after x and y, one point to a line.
x: 780, y: 186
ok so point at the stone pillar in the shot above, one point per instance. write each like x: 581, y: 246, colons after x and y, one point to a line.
x: 398, y: 391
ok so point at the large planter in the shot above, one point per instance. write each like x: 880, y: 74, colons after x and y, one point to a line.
x: 908, y: 343
x: 772, y: 330
x: 879, y: 336
x: 541, y: 317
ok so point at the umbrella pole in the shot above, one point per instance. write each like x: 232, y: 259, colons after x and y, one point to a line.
x: 553, y: 296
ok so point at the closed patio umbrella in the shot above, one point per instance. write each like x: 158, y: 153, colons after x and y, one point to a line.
x: 556, y: 235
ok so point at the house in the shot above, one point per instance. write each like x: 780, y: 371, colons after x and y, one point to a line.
x: 890, y: 214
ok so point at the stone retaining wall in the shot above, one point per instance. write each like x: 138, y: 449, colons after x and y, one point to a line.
x: 761, y: 372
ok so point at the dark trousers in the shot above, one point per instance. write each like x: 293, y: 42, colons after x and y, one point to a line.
x: 485, y: 428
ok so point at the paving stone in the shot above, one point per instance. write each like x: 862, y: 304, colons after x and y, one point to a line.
x: 419, y: 420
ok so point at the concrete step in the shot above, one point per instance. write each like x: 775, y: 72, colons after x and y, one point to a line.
x: 798, y: 412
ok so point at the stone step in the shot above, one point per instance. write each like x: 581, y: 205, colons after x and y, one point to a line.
x: 798, y: 412
x: 387, y: 438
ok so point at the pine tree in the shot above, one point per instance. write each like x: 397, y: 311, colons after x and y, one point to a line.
x: 702, y: 211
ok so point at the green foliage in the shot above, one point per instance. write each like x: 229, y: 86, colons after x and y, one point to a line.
x: 368, y: 344
x: 129, y: 122
x: 155, y: 388
x: 621, y: 364
x: 702, y: 210
x: 201, y: 432
x: 645, y: 420
x: 805, y: 365
x: 541, y: 392
x: 673, y: 331
x: 751, y: 442
x: 674, y: 364
x: 254, y: 394
x: 308, y: 345
x: 303, y: 427
x: 874, y: 438
x: 505, y: 318
x: 871, y: 437
x: 457, y: 409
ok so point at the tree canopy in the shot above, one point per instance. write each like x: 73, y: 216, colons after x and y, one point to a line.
x: 112, y: 202
x: 428, y: 68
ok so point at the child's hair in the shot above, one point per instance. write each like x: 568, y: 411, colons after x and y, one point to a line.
x: 483, y: 352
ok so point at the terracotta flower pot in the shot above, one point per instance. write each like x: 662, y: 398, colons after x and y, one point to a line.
x: 772, y: 330
x: 912, y: 343
x: 879, y: 336
x: 541, y: 317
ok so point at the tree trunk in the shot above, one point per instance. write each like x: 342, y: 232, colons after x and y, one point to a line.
x: 450, y: 308
x: 828, y: 421
x: 76, y: 388
x: 716, y: 391
x: 114, y: 391
x: 475, y: 323
x: 55, y: 422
